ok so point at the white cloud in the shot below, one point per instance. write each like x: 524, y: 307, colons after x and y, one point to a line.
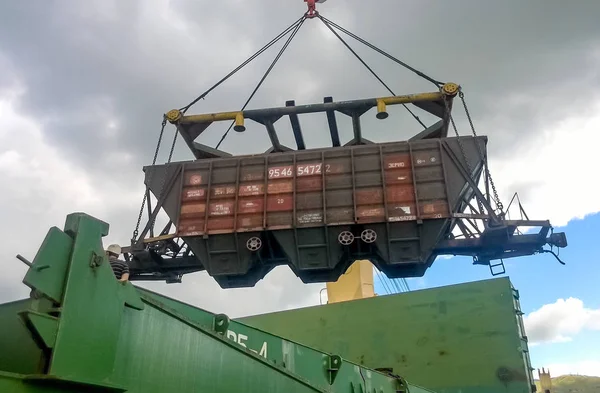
x: 590, y: 368
x: 560, y: 321
x: 553, y: 172
x: 418, y: 282
x: 77, y: 78
x: 41, y: 186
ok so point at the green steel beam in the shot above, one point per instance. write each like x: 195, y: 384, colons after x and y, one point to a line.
x: 96, y: 334
x: 465, y: 338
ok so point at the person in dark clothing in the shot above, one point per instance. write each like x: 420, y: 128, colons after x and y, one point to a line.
x: 119, y: 267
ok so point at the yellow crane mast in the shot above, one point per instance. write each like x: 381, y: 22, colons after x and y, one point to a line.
x: 356, y: 283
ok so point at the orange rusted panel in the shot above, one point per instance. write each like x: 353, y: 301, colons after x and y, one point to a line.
x: 220, y: 224
x: 404, y: 193
x: 277, y: 203
x: 221, y: 208
x: 396, y: 161
x: 192, y: 210
x: 280, y: 187
x: 434, y: 209
x: 250, y: 221
x: 193, y: 194
x: 252, y: 189
x: 311, y: 188
x: 398, y: 176
x: 309, y: 184
x: 252, y: 174
x: 193, y: 178
x: 250, y: 205
x: 222, y: 191
x: 369, y: 196
x: 191, y: 227
x: 370, y: 211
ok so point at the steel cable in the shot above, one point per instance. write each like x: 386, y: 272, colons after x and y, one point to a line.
x: 283, y: 48
x: 254, y: 56
x: 419, y: 73
x: 369, y: 68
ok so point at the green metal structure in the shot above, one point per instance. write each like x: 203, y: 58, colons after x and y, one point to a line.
x: 83, y: 331
x: 465, y: 338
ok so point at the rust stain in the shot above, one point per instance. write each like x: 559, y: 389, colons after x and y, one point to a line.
x: 193, y: 210
x: 193, y: 194
x: 224, y: 208
x: 280, y: 187
x: 252, y: 190
x: 193, y: 178
x: 397, y: 161
x: 299, y: 188
x: 222, y: 191
x: 276, y: 203
x: 404, y: 193
x: 250, y: 206
x: 400, y: 176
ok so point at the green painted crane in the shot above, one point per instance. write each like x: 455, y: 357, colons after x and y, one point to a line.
x: 82, y: 330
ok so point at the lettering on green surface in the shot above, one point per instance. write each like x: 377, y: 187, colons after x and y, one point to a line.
x: 241, y: 340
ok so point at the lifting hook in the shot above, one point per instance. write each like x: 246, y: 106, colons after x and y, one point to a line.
x: 312, y: 8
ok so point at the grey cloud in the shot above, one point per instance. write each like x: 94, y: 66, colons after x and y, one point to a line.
x: 105, y: 64
x: 86, y: 64
x: 281, y: 291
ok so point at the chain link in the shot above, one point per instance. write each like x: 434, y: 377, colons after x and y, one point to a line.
x: 164, y: 178
x: 489, y: 175
x: 144, y: 200
x: 462, y: 150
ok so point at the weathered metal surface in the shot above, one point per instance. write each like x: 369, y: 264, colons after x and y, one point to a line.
x: 18, y: 350
x: 352, y: 185
x: 102, y: 335
x: 298, y: 203
x: 465, y: 338
x: 404, y: 202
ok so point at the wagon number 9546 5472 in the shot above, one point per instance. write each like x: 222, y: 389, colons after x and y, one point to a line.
x: 301, y: 170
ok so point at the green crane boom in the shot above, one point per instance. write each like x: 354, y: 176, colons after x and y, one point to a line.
x: 84, y: 331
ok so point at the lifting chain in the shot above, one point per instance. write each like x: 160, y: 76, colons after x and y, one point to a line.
x: 144, y: 200
x: 164, y: 179
x: 489, y: 175
x: 461, y: 146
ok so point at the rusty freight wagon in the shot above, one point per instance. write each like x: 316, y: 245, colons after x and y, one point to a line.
x: 318, y: 210
x: 321, y: 209
x: 397, y: 204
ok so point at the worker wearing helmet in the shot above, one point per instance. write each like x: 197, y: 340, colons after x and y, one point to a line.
x: 119, y: 267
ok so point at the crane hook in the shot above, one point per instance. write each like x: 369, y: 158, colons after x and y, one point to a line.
x: 312, y: 8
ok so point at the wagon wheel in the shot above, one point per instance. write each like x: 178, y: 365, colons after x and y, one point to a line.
x: 254, y: 244
x: 368, y: 236
x: 346, y: 238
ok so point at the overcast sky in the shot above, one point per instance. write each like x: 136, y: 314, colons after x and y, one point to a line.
x: 83, y: 85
